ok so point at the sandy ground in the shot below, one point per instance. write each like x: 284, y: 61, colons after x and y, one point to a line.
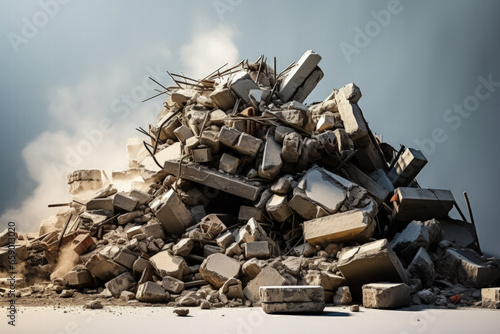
x: 119, y: 319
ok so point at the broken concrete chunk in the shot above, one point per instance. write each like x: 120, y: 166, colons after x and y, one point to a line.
x: 354, y: 122
x: 386, y: 295
x: 120, y: 283
x: 232, y: 288
x: 248, y: 212
x: 124, y: 202
x: 212, y: 226
x: 292, y: 148
x: 293, y: 117
x: 141, y: 196
x: 352, y: 225
x: 422, y: 204
x: 407, y: 167
x: 202, y: 155
x: 128, y: 217
x: 79, y: 278
x: 248, y: 145
x: 258, y: 249
x: 490, y: 298
x: 172, y: 285
x: 213, y: 179
x: 342, y: 296
x: 407, y: 243
x: 151, y: 292
x: 167, y: 264
x: 223, y: 98
x: 328, y: 281
x: 422, y: 267
x: 298, y: 75
x: 218, y: 268
x: 280, y: 132
x: 140, y: 265
x: 277, y: 208
x: 351, y: 92
x: 100, y: 204
x: 104, y: 268
x: 372, y: 262
x: 153, y: 229
x: 172, y: 213
x: 148, y: 168
x: 267, y: 277
x: 183, y: 247
x: 271, y: 161
x: 308, y: 86
x: 84, y: 180
x: 225, y: 240
x: 284, y: 185
x: 241, y: 84
x: 183, y: 133
x: 229, y: 163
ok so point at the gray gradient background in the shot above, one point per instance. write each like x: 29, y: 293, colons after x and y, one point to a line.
x: 67, y: 77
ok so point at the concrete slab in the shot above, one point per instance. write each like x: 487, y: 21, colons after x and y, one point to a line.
x: 386, y: 295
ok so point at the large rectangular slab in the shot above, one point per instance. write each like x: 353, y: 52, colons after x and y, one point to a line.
x: 212, y: 178
x: 422, y: 204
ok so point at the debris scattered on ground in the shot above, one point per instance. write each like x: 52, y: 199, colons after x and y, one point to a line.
x: 242, y: 195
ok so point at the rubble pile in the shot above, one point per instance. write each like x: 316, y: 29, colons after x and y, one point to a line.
x: 241, y: 194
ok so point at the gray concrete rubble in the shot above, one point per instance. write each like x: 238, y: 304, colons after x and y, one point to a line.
x: 243, y: 183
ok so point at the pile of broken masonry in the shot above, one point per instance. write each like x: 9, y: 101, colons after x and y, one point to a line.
x: 238, y: 186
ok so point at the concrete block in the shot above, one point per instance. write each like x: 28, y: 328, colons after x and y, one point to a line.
x: 241, y: 84
x: 490, y: 298
x: 233, y: 249
x: 140, y: 265
x: 327, y: 280
x: 422, y: 267
x: 183, y: 133
x: 352, y: 225
x: 292, y: 147
x: 342, y: 296
x: 210, y: 138
x: 202, y: 155
x: 151, y: 292
x: 268, y: 276
x: 79, y: 279
x: 153, y: 229
x: 468, y: 267
x: 84, y: 180
x: 298, y: 75
x: 223, y: 98
x: 271, y: 160
x: 172, y: 213
x: 372, y: 262
x: 305, y: 249
x: 258, y: 249
x: 125, y: 258
x: 212, y: 226
x: 183, y: 247
x: 354, y: 122
x: 308, y: 85
x: 124, y: 202
x: 233, y: 289
x: 200, y: 174
x: 375, y: 190
x: 120, y: 283
x: 292, y: 299
x: 248, y: 145
x: 284, y: 185
x: 104, y: 268
x: 386, y: 295
x: 228, y: 136
x: 293, y: 117
x: 182, y: 96
x: 100, y: 204
x: 407, y: 243
x: 280, y: 132
x: 277, y: 207
x: 351, y: 92
x: 128, y: 217
x: 229, y: 163
x: 82, y: 243
x: 422, y: 204
x: 325, y: 122
x: 167, y: 264
x: 141, y: 196
x: 225, y: 240
x: 212, y: 249
x: 218, y: 268
x: 248, y: 212
x: 172, y: 285
x: 407, y: 167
